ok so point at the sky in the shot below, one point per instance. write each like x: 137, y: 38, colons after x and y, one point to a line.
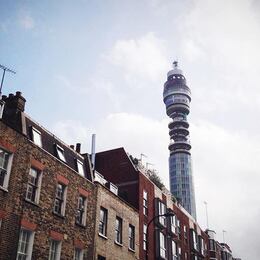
x: 99, y: 67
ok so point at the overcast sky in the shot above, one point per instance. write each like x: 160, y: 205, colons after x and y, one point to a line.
x: 99, y: 67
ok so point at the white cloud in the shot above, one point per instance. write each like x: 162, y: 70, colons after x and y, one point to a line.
x: 144, y: 57
x: 27, y: 22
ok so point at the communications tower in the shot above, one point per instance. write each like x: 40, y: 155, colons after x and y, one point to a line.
x: 177, y: 97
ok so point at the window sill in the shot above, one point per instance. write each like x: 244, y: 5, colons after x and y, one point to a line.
x: 58, y: 215
x: 3, y: 189
x: 103, y: 236
x: 80, y: 225
x: 31, y: 202
x: 131, y: 250
x: 118, y: 243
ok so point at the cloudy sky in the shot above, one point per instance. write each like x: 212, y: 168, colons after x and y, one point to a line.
x: 99, y: 67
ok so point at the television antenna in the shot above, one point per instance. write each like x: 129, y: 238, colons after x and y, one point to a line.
x: 3, y: 76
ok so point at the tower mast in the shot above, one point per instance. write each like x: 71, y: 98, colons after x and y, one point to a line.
x: 177, y: 98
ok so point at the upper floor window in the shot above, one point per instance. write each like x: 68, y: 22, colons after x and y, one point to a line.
x: 60, y: 153
x: 80, y: 168
x: 131, y: 237
x: 36, y: 137
x: 201, y: 245
x: 78, y: 254
x: 55, y: 250
x: 25, y: 244
x: 174, y: 224
x: 195, y: 243
x: 162, y: 245
x: 212, y: 245
x: 5, y: 168
x: 174, y: 251
x: 102, y: 229
x: 145, y: 203
x: 162, y: 211
x: 33, y: 185
x: 60, y: 199
x: 118, y: 230
x: 145, y: 237
x: 81, y: 210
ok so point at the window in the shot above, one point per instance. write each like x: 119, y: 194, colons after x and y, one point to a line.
x: 174, y: 251
x: 212, y: 245
x: 25, y: 245
x: 131, y: 237
x: 162, y: 210
x: 33, y: 185
x: 103, y: 222
x: 60, y: 199
x: 162, y: 245
x: 55, y: 249
x: 80, y: 167
x: 195, y: 243
x: 174, y: 224
x: 78, y: 254
x: 5, y: 168
x: 118, y: 230
x: 81, y: 211
x: 100, y: 257
x: 145, y: 237
x: 145, y: 203
x: 60, y: 153
x: 201, y: 245
x: 36, y: 137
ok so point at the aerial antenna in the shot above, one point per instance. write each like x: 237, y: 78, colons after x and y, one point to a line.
x: 3, y: 76
x: 147, y: 164
x: 207, y: 217
x: 141, y: 159
x: 224, y: 231
x: 175, y: 64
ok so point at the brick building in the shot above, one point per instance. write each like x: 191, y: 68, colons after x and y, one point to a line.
x: 175, y: 237
x: 117, y: 226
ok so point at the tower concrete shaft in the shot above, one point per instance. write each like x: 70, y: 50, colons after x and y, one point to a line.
x: 177, y: 98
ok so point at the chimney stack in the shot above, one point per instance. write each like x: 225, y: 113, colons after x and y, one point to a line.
x: 78, y: 145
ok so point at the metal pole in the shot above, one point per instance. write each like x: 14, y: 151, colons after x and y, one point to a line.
x: 169, y: 214
x: 224, y: 231
x: 207, y: 217
x: 2, y: 81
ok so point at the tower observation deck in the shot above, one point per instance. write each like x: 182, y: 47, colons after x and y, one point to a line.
x: 177, y: 98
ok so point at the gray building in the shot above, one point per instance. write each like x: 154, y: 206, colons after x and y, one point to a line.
x: 177, y: 97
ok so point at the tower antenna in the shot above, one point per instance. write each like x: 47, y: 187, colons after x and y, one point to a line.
x: 3, y: 76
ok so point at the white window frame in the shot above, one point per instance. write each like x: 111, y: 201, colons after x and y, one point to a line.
x: 174, y: 224
x: 162, y: 239
x: 58, y: 248
x: 145, y: 202
x: 64, y: 199
x: 81, y: 254
x: 38, y: 186
x: 119, y: 230
x: 84, y: 216
x: 37, y: 141
x: 8, y: 169
x: 29, y: 247
x: 60, y: 153
x: 145, y: 237
x: 80, y: 168
x: 103, y: 222
x: 174, y: 250
x: 131, y: 237
x: 162, y: 210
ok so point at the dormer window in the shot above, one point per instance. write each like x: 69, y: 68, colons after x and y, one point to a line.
x: 36, y: 137
x: 60, y: 153
x: 80, y: 168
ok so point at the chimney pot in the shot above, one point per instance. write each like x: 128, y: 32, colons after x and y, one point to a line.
x: 18, y: 93
x: 11, y: 95
x: 72, y: 146
x: 78, y: 145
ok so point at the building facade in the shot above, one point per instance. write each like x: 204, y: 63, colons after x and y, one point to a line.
x: 177, y: 97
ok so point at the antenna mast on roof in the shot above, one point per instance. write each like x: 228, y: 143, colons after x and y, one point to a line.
x: 3, y: 76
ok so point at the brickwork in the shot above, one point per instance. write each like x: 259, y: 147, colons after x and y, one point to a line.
x: 106, y: 246
x: 17, y: 212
